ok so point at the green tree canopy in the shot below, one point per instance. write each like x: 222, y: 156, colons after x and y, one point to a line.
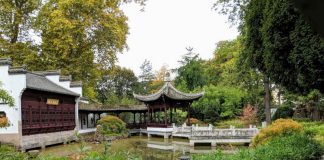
x: 220, y: 102
x: 5, y: 97
x: 119, y: 82
x: 191, y: 73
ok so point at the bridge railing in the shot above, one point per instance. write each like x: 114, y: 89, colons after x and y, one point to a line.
x: 243, y: 133
x: 197, y: 132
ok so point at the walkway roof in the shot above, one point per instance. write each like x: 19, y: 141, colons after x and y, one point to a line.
x: 120, y: 108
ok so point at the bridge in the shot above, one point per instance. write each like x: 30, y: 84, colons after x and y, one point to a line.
x: 214, y: 136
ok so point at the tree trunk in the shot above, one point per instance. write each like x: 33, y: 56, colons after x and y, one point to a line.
x: 267, y: 99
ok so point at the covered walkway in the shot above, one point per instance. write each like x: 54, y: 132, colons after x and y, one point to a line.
x: 89, y: 114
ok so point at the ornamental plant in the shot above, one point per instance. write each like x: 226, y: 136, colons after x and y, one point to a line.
x: 111, y: 126
x: 277, y: 128
x: 3, y: 122
x: 195, y: 121
x: 249, y: 115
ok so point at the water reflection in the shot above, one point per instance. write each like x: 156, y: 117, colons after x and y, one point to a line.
x: 154, y: 148
x: 178, y: 145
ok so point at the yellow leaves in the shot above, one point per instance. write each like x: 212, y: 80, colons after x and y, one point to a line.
x: 3, y: 122
x: 277, y: 128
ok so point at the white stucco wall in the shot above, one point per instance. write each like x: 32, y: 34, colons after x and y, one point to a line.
x: 77, y: 90
x: 65, y: 84
x: 54, y: 78
x: 14, y: 84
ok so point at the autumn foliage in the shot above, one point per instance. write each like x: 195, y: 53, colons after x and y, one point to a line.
x: 195, y: 121
x: 249, y: 115
x: 277, y: 128
x: 3, y: 122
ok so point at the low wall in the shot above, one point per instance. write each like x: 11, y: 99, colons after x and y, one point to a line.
x: 10, y: 139
x: 42, y: 140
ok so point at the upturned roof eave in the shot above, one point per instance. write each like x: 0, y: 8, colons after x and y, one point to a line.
x: 165, y: 91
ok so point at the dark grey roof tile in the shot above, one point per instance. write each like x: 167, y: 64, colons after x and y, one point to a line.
x: 169, y: 91
x: 39, y: 82
x: 5, y: 61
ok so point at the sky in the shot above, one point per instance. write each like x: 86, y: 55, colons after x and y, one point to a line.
x: 166, y: 28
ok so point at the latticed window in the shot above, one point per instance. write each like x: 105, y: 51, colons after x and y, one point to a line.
x: 39, y: 117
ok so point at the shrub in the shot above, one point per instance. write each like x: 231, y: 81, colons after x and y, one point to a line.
x: 234, y: 122
x: 286, y: 147
x: 315, y: 129
x: 295, y: 146
x: 249, y: 115
x: 195, y: 121
x: 4, y: 122
x: 111, y: 126
x: 277, y: 128
x: 283, y: 112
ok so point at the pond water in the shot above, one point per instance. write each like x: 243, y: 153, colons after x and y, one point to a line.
x: 154, y: 148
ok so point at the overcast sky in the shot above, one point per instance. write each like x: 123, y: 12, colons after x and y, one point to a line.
x: 163, y: 31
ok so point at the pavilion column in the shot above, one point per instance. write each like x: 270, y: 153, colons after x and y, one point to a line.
x: 188, y: 110
x: 165, y: 114
x: 160, y: 114
x: 149, y: 113
x: 144, y: 117
x: 140, y: 118
x: 134, y: 121
x: 175, y: 112
x: 153, y: 116
x: 87, y: 120
x: 170, y: 110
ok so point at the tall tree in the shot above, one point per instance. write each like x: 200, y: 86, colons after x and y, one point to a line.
x: 162, y: 75
x: 16, y: 19
x: 280, y: 43
x: 146, y: 71
x: 75, y: 34
x: 146, y: 77
x: 191, y: 72
x: 120, y: 82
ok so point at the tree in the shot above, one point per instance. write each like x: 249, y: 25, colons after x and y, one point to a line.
x: 222, y: 68
x: 117, y: 84
x: 219, y: 103
x: 5, y: 97
x: 80, y: 37
x: 279, y: 42
x: 146, y: 71
x: 16, y: 19
x: 161, y: 76
x: 227, y: 68
x: 191, y: 72
x: 146, y: 77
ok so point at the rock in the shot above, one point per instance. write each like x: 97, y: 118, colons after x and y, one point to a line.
x: 33, y: 153
x: 184, y: 157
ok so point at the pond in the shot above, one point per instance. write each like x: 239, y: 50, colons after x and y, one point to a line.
x: 154, y: 148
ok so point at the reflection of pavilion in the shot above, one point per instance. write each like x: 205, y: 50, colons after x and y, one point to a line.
x: 164, y: 102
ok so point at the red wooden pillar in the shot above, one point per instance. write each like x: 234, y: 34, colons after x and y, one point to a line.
x: 188, y: 110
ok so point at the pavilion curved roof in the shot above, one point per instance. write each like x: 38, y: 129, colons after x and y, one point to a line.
x: 169, y: 91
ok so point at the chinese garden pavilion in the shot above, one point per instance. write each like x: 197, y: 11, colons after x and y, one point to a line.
x: 165, y: 101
